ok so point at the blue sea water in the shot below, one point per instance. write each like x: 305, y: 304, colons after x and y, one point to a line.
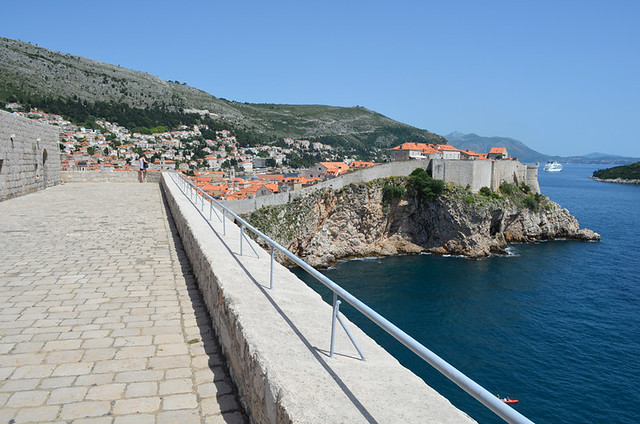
x: 555, y: 325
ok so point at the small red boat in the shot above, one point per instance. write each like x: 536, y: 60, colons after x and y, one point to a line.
x: 508, y: 399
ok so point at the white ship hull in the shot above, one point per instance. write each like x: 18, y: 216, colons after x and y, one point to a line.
x: 552, y: 167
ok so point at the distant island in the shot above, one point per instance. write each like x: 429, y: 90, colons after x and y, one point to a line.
x: 625, y: 174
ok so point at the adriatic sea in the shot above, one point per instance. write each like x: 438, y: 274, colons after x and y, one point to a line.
x: 555, y: 325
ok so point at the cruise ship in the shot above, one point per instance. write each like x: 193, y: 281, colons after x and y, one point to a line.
x: 553, y: 166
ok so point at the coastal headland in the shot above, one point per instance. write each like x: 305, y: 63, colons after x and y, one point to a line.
x: 390, y: 216
x: 624, y: 174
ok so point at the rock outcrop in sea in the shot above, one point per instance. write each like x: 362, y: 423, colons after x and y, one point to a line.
x: 367, y: 219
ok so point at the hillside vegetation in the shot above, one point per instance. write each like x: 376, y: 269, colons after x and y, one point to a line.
x: 82, y: 88
x: 624, y: 172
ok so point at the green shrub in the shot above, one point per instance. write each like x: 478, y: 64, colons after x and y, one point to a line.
x: 508, y: 189
x: 485, y: 191
x: 525, y: 188
x: 424, y: 185
x: 390, y: 192
x: 469, y: 199
x: 531, y: 202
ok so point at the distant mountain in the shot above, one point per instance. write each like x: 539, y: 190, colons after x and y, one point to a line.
x: 521, y: 151
x: 597, y: 155
x: 516, y: 149
x: 37, y: 76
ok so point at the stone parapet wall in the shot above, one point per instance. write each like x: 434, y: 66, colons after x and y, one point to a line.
x: 276, y: 341
x: 29, y: 155
x: 107, y: 176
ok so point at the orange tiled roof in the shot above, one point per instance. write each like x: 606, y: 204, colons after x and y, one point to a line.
x: 361, y: 164
x: 422, y: 147
x: 411, y: 146
x: 470, y: 153
x: 445, y: 147
x: 335, y: 168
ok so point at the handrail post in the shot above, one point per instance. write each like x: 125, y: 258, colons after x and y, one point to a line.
x: 224, y: 222
x: 271, y: 273
x: 241, y: 237
x: 210, y: 210
x: 334, y: 318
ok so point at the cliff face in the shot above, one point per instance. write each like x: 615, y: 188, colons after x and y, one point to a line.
x: 327, y: 225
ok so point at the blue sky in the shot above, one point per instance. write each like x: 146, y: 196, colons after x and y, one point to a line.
x: 561, y: 76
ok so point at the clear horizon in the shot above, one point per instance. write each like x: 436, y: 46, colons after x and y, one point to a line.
x: 563, y: 78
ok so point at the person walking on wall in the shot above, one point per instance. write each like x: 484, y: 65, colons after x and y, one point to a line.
x: 143, y: 167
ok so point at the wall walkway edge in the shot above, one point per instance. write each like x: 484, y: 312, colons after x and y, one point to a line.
x: 277, y: 341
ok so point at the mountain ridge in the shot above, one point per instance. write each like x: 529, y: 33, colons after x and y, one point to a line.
x: 524, y: 153
x: 29, y: 72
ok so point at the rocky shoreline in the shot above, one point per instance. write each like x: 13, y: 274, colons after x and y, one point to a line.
x: 326, y: 226
x: 616, y: 180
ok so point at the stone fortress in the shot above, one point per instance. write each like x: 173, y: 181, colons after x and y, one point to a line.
x: 474, y: 174
x: 29, y: 156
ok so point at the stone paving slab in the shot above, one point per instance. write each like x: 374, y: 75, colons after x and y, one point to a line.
x: 101, y: 319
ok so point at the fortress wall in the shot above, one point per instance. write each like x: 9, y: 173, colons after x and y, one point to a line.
x: 276, y: 341
x: 482, y: 175
x: 473, y: 173
x: 505, y: 171
x: 29, y: 155
x: 515, y: 172
x: 531, y: 178
x: 107, y: 176
x: 401, y: 169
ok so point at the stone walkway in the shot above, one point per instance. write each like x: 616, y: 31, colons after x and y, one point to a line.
x: 101, y: 321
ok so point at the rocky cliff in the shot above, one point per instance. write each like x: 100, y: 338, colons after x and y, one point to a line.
x: 368, y: 219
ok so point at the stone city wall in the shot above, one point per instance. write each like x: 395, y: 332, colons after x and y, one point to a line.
x: 485, y: 173
x: 108, y: 176
x: 398, y: 169
x: 276, y: 340
x: 472, y: 173
x: 29, y: 155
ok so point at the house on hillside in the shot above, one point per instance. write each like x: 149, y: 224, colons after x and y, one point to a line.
x: 258, y: 190
x: 163, y: 165
x: 407, y: 151
x: 247, y: 166
x: 471, y: 155
x: 448, y: 152
x: 357, y: 164
x: 498, y: 153
x: 327, y: 170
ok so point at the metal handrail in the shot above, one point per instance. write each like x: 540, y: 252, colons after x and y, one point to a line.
x: 481, y: 394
